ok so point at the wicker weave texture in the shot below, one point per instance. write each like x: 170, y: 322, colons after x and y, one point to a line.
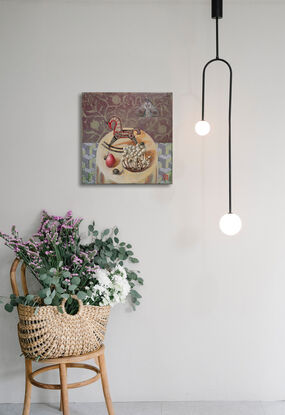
x: 51, y: 334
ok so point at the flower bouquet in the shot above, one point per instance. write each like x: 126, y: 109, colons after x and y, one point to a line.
x: 73, y: 275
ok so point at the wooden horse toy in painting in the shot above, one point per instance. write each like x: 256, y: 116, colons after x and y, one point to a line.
x: 115, y: 124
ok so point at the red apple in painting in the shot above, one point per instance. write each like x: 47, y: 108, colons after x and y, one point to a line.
x: 110, y: 160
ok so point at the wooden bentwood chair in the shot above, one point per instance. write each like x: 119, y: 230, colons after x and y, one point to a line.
x: 61, y: 363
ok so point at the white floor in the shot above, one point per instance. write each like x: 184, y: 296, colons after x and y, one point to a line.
x: 156, y: 408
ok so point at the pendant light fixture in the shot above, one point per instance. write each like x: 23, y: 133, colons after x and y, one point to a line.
x: 230, y: 223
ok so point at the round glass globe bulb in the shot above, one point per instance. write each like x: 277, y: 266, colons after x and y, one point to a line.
x: 202, y: 127
x: 230, y: 224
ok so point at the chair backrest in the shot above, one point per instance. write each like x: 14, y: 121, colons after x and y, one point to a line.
x: 13, y: 279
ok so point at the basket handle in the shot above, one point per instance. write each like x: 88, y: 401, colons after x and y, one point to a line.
x: 80, y: 305
x: 15, y: 288
x: 13, y: 280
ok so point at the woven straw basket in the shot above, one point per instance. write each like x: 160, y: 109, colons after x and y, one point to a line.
x: 51, y: 334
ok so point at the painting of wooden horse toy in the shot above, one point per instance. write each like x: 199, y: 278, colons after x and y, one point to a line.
x: 115, y: 124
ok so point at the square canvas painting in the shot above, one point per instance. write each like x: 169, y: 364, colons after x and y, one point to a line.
x: 127, y: 138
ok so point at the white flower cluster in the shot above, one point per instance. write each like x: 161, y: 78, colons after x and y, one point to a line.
x: 111, y: 288
x: 134, y: 158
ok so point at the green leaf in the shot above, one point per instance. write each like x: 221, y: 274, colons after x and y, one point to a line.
x: 132, y: 275
x: 135, y: 294
x: 98, y: 243
x: 48, y: 300
x: 133, y: 260
x: 54, y: 280
x: 95, y: 233
x: 65, y: 296
x: 29, y: 297
x: 122, y: 244
x: 140, y: 281
x: 48, y: 281
x: 116, y: 231
x: 53, y: 294
x: 43, y: 277
x: 81, y: 295
x: 59, y: 289
x: 116, y: 240
x: 129, y: 246
x: 90, y: 228
x: 130, y: 253
x: 72, y: 287
x: 12, y: 296
x: 75, y: 280
x: 45, y: 292
x: 59, y: 308
x: 98, y: 261
x: 114, y: 255
x: 52, y: 271
x: 56, y: 300
x: 66, y: 274
x: 8, y: 307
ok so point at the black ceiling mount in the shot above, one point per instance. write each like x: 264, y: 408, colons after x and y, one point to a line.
x: 217, y: 9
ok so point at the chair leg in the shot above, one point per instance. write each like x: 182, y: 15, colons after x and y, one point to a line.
x: 105, y: 384
x: 64, y: 393
x: 28, y: 387
x: 61, y: 404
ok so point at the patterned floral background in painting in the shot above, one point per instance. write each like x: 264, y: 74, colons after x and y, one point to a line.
x: 156, y: 120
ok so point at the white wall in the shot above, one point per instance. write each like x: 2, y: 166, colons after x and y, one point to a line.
x: 211, y: 325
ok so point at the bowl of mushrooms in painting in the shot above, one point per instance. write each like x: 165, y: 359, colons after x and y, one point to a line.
x: 127, y: 138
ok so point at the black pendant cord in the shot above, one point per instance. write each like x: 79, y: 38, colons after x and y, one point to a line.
x: 217, y: 38
x: 218, y: 59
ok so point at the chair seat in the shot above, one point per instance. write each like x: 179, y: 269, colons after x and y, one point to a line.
x: 73, y: 359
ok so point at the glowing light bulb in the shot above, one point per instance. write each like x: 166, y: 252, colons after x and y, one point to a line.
x: 230, y: 224
x: 202, y: 127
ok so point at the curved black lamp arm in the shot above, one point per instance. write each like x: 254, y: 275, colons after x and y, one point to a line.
x: 218, y: 59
